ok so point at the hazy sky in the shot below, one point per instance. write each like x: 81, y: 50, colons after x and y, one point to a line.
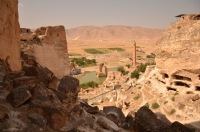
x: 74, y: 13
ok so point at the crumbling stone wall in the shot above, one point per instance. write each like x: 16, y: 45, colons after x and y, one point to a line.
x: 50, y: 48
x: 25, y: 30
x: 9, y: 33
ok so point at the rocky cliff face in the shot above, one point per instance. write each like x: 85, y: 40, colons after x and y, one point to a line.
x: 9, y: 33
x: 179, y: 46
x: 178, y: 56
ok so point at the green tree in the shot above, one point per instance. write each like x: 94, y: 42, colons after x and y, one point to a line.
x: 135, y: 74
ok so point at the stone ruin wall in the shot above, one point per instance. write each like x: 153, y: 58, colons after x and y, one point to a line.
x: 9, y: 33
x: 177, y: 56
x: 50, y: 48
x: 25, y: 30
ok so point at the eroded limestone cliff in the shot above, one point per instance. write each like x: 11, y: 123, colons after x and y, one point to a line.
x: 178, y: 55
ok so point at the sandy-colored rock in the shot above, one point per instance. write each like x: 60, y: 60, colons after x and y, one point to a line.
x: 9, y: 33
x: 177, y: 55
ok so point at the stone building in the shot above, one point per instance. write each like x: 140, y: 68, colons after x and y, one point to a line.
x: 25, y: 30
x: 177, y: 56
x: 49, y: 46
x: 101, y: 70
x: 9, y: 33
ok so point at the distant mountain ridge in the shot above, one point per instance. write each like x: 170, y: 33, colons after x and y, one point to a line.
x: 113, y: 32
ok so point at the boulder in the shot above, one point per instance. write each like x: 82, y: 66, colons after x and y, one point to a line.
x: 29, y: 70
x: 18, y: 96
x: 54, y: 82
x: 14, y: 74
x: 178, y: 127
x: 44, y: 75
x: 93, y: 110
x: 195, y: 97
x: 38, y: 120
x: 45, y: 101
x: 107, y: 124
x: 3, y: 114
x: 146, y: 121
x: 128, y: 125
x: 89, y: 120
x: 69, y: 85
x: 6, y: 85
x: 114, y: 114
x: 163, y: 118
x: 31, y: 128
x: 2, y: 75
x: 25, y: 80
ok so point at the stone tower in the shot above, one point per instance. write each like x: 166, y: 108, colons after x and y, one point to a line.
x: 134, y: 56
x: 9, y: 33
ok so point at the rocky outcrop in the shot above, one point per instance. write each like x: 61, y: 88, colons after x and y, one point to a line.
x: 146, y: 121
x: 177, y: 56
x: 43, y: 108
x: 9, y: 33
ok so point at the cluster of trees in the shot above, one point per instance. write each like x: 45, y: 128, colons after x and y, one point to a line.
x: 83, y: 61
x: 89, y: 84
x: 142, y: 67
x: 122, y: 70
x: 152, y: 55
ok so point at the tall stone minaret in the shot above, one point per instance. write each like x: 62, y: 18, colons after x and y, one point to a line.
x: 134, y: 56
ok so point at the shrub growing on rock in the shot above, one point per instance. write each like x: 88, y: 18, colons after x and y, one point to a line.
x: 122, y: 70
x: 155, y: 105
x: 147, y: 105
x: 135, y: 74
x: 137, y: 97
x: 89, y: 84
x: 172, y: 111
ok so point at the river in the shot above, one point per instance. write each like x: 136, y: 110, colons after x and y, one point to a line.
x: 91, y: 76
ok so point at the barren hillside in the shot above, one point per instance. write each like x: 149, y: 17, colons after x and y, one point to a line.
x: 113, y: 32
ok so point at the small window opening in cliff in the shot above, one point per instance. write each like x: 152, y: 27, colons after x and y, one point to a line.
x: 27, y: 31
x: 189, y: 92
x: 165, y: 75
x: 182, y: 84
x: 169, y: 88
x: 197, y: 88
x: 57, y: 35
x: 182, y: 78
